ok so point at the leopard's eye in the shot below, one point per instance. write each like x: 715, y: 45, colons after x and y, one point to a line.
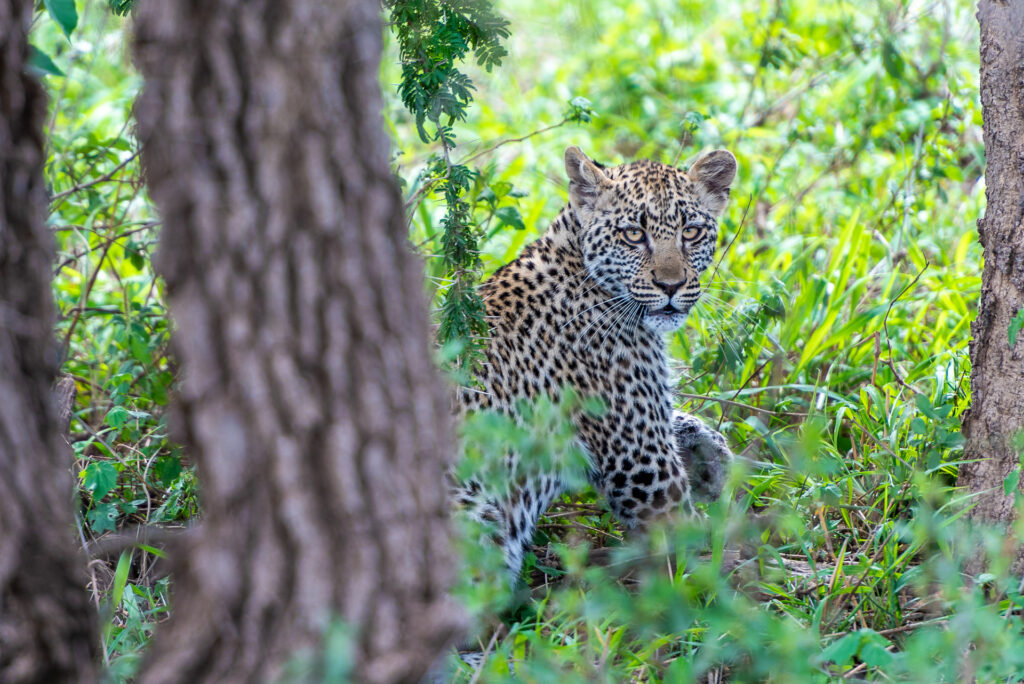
x: 690, y: 232
x: 634, y: 236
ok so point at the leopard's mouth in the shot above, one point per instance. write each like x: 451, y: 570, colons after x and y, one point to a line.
x: 667, y: 311
x: 665, y: 319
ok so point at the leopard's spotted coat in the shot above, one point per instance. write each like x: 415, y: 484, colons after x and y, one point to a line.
x: 585, y: 306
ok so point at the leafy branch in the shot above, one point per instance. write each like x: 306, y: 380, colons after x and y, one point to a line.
x: 434, y: 37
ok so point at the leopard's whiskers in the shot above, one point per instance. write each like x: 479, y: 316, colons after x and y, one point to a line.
x: 638, y: 317
x: 622, y: 303
x: 602, y: 316
x: 727, y: 340
x: 603, y: 301
x: 610, y: 325
x: 725, y: 311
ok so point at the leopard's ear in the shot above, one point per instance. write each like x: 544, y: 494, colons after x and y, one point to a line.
x: 586, y: 180
x: 713, y: 174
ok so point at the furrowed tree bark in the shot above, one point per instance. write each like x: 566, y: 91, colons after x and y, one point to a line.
x: 47, y: 627
x: 309, y: 401
x: 997, y: 369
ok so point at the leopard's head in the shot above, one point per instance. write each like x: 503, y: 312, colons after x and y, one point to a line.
x: 648, y: 230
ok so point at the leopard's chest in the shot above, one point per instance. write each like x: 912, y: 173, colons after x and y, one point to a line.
x: 599, y: 351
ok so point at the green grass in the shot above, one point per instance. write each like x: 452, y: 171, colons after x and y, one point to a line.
x: 830, y: 347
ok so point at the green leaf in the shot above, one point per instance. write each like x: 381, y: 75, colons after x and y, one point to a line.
x: 840, y: 652
x: 153, y: 550
x: 510, y: 216
x: 918, y: 427
x: 167, y: 469
x: 40, y: 63
x: 875, y: 655
x: 1010, y: 483
x: 892, y: 60
x: 550, y: 571
x: 124, y: 563
x: 140, y: 351
x: 103, y: 518
x: 99, y: 477
x: 580, y: 110
x: 117, y: 416
x: 924, y: 406
x: 501, y: 188
x: 692, y: 121
x: 121, y: 7
x: 1016, y: 323
x: 64, y: 13
x: 137, y: 260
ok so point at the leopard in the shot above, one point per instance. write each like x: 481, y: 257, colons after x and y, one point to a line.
x: 585, y: 308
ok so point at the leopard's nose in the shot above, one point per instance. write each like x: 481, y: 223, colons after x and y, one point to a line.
x: 669, y: 288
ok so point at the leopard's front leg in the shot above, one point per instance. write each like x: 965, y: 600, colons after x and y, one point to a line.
x: 649, y: 469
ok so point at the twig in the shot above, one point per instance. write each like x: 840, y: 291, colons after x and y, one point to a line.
x: 575, y: 523
x: 757, y: 371
x: 894, y: 630
x: 120, y: 236
x: 885, y: 327
x: 739, y: 229
x: 85, y: 298
x: 140, y: 535
x: 737, y: 404
x: 845, y: 597
x: 55, y: 200
x: 828, y: 542
x: 501, y: 143
x: 415, y: 198
x: 483, y: 658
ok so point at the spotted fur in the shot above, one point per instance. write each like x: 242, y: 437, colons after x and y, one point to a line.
x: 585, y: 306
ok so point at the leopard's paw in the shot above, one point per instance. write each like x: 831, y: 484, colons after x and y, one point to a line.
x: 705, y: 455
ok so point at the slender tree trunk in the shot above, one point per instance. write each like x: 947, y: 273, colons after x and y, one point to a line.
x: 47, y: 627
x: 309, y: 400
x: 997, y: 373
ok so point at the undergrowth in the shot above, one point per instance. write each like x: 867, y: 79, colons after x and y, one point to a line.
x: 830, y: 346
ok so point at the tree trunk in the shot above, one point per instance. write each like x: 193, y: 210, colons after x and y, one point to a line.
x: 47, y: 627
x: 309, y: 399
x: 997, y: 369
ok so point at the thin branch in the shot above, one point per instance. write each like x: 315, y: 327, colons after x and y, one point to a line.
x: 415, y: 198
x: 885, y: 327
x: 737, y: 404
x: 56, y: 199
x: 141, y: 535
x: 895, y: 630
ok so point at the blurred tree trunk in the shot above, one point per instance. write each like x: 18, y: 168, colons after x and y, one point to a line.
x: 997, y: 374
x: 309, y: 399
x: 47, y: 627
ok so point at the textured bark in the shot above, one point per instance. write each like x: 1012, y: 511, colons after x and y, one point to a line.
x: 309, y: 400
x: 997, y: 373
x: 47, y: 627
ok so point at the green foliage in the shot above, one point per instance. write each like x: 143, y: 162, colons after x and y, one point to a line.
x: 112, y: 321
x: 433, y: 38
x: 541, y: 435
x: 41, y: 63
x: 64, y: 13
x: 121, y: 7
x: 1016, y: 323
x: 332, y: 663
